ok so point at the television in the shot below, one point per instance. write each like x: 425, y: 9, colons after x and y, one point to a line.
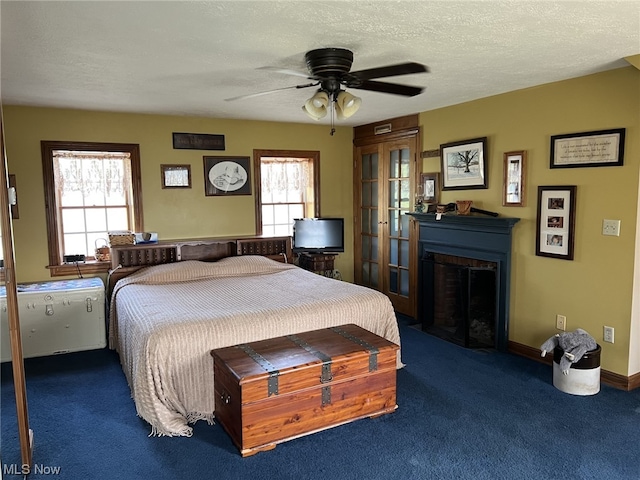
x: 318, y: 235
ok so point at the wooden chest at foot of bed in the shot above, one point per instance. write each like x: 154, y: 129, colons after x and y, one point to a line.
x: 275, y: 390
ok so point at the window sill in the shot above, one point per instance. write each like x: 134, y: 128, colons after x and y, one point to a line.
x: 87, y: 268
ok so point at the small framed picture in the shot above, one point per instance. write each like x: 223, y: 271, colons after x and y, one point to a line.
x: 176, y: 176
x: 555, y: 229
x: 430, y: 187
x: 513, y: 181
x: 464, y: 164
x: 227, y: 176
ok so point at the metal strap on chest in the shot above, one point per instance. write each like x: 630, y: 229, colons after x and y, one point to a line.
x: 326, y: 359
x: 272, y: 382
x: 325, y: 376
x: 373, y: 351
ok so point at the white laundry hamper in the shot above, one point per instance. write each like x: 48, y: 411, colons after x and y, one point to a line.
x: 584, y: 375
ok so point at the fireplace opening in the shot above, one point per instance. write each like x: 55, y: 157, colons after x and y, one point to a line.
x: 459, y: 299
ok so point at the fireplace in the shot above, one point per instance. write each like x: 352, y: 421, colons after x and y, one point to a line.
x: 464, y: 277
x: 459, y: 299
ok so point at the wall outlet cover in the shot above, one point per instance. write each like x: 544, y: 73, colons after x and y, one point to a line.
x: 608, y: 335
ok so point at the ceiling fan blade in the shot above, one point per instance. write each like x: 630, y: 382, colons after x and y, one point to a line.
x: 383, y: 87
x: 251, y: 95
x: 286, y: 71
x: 389, y: 71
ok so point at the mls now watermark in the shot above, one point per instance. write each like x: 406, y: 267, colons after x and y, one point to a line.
x: 25, y: 469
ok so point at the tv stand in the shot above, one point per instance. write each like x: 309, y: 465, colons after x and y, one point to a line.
x: 320, y: 263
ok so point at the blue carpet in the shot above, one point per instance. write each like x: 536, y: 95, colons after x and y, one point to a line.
x: 462, y: 414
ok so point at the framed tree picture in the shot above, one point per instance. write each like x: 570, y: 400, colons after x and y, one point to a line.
x: 463, y: 164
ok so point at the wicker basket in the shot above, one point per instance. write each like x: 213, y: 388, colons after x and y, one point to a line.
x: 121, y: 238
x: 103, y: 252
x: 463, y: 207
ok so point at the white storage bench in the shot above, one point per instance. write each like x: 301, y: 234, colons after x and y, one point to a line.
x: 56, y: 317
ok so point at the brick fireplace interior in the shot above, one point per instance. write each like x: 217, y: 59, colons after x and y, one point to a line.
x: 462, y: 299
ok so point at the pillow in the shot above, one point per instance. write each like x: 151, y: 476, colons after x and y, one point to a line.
x: 190, y: 270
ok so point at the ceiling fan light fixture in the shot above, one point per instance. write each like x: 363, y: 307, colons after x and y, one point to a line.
x: 346, y: 104
x: 316, y: 106
x: 320, y: 99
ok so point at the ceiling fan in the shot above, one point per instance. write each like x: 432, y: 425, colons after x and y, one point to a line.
x: 329, y: 69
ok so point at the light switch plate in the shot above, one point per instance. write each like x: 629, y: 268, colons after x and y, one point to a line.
x: 611, y: 227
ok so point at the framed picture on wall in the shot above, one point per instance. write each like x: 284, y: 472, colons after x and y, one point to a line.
x: 601, y: 148
x: 513, y: 180
x: 227, y: 176
x: 463, y: 164
x: 555, y: 228
x: 430, y: 187
x: 175, y: 176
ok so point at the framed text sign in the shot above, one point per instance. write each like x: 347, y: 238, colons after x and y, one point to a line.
x: 198, y: 141
x: 602, y: 148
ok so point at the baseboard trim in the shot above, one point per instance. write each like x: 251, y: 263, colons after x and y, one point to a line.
x: 614, y: 380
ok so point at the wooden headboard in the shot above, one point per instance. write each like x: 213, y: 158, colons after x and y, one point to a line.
x: 126, y: 259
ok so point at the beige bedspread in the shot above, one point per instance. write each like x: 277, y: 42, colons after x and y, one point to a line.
x: 164, y: 321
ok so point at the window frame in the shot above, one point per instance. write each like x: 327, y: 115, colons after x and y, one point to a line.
x: 54, y: 229
x: 314, y: 155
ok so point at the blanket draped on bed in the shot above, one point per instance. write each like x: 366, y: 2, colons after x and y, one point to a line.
x: 165, y: 320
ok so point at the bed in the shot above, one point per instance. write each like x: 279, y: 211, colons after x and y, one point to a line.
x: 167, y: 312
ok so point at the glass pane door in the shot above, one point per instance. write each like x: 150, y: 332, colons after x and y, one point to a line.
x: 385, y: 241
x: 369, y: 238
x: 399, y: 203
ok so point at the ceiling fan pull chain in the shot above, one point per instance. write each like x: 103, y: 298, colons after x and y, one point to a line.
x: 333, y: 108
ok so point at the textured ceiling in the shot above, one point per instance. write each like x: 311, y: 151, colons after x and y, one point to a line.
x: 186, y: 58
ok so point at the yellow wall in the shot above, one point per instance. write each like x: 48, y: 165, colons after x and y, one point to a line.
x: 183, y: 213
x: 595, y: 289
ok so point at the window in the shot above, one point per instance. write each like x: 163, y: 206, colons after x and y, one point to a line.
x: 90, y: 189
x: 287, y: 187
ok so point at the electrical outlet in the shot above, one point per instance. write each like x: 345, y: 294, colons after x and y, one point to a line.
x: 608, y: 334
x: 611, y: 227
x: 561, y: 322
